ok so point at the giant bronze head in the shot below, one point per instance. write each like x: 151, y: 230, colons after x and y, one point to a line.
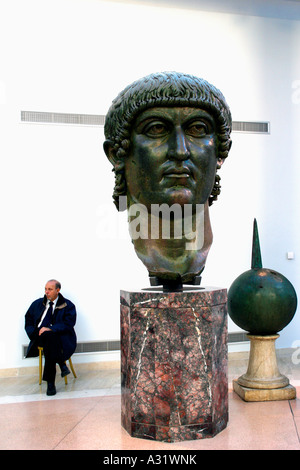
x: 167, y: 134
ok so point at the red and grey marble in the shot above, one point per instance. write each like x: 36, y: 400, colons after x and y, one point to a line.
x: 174, y: 363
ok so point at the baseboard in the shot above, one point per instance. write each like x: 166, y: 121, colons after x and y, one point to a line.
x: 34, y: 370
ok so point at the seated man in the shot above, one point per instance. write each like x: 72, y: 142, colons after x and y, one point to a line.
x: 49, y: 322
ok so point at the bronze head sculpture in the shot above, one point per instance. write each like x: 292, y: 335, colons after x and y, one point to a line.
x: 167, y: 134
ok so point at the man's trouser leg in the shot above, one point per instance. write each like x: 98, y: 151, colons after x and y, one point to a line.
x: 53, y: 354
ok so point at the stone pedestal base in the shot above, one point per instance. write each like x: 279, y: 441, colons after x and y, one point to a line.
x: 263, y: 381
x: 174, y: 363
x: 252, y: 394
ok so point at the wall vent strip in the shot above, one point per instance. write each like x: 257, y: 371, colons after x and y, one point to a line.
x: 251, y: 127
x: 238, y: 337
x: 89, y: 347
x: 114, y: 345
x: 63, y: 118
x: 40, y: 117
x: 97, y: 346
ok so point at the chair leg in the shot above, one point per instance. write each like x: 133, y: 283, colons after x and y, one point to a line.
x: 40, y: 365
x: 72, y: 368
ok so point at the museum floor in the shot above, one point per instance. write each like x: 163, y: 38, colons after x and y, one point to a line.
x: 85, y: 414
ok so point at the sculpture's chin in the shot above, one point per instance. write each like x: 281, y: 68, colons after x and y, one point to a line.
x: 176, y: 258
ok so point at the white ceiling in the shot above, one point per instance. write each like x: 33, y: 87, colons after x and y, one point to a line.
x: 283, y: 9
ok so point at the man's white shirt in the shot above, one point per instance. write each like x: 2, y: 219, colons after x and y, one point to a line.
x: 46, y: 309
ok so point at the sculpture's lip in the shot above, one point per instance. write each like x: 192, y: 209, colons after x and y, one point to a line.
x: 178, y: 175
x: 178, y: 172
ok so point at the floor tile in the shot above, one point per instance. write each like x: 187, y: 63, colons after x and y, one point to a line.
x: 86, y: 415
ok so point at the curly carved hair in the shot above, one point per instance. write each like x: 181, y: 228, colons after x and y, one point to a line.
x: 163, y: 89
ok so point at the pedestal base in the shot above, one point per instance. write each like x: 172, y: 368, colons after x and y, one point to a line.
x: 174, y: 363
x: 252, y: 394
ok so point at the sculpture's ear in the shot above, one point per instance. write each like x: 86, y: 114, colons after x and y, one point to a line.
x: 220, y: 162
x: 109, y: 151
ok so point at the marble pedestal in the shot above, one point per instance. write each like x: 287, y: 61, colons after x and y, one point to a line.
x: 174, y: 363
x: 263, y: 381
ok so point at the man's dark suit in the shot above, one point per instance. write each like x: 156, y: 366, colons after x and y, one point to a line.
x: 64, y: 319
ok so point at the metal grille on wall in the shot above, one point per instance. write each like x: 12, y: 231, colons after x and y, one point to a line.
x: 39, y: 117
x: 89, y: 347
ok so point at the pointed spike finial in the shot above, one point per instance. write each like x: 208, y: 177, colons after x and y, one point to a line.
x: 256, y: 254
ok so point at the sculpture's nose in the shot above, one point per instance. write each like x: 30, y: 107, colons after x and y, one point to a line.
x: 178, y: 145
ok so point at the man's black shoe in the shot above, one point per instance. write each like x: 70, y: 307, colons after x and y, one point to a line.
x: 64, y: 370
x: 51, y: 390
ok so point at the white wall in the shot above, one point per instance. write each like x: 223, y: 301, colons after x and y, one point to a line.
x: 74, y: 56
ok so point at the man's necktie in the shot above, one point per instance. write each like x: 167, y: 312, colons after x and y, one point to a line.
x: 48, y: 318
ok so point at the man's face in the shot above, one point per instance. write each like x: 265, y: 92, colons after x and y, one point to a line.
x: 51, y: 291
x: 172, y: 156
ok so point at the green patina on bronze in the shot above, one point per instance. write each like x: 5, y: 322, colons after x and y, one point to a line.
x: 167, y: 135
x: 256, y: 253
x: 261, y: 301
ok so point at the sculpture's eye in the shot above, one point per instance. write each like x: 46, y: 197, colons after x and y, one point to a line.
x: 197, y: 129
x: 155, y: 129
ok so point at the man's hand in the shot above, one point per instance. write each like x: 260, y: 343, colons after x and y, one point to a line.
x: 43, y: 329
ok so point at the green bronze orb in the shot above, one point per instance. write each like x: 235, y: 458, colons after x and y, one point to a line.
x: 262, y: 301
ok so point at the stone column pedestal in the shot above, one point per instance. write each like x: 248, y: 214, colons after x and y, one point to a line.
x: 174, y: 363
x: 263, y: 381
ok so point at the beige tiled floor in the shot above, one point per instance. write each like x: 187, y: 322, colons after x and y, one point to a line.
x: 85, y: 415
